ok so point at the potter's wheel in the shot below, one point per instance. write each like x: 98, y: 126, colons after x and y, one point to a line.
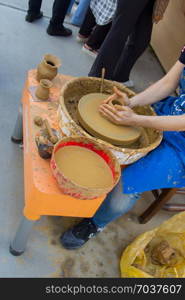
x: 91, y: 120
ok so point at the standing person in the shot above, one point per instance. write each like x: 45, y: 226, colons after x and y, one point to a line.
x: 129, y: 36
x: 96, y: 25
x: 59, y: 11
x: 164, y: 167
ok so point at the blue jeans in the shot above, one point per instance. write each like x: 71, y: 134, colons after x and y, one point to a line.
x: 70, y: 6
x: 79, y: 15
x: 115, y: 205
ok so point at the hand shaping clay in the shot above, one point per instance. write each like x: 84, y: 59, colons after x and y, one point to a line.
x: 84, y: 167
x: 118, y: 101
x: 90, y: 118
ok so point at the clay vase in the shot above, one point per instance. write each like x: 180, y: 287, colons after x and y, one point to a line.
x: 42, y: 91
x: 48, y: 68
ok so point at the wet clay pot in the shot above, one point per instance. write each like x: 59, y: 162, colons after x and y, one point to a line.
x: 70, y: 186
x: 42, y: 91
x: 48, y: 68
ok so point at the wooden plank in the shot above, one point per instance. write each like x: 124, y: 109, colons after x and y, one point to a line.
x: 168, y: 36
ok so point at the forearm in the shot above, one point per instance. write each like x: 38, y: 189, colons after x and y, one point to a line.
x: 163, y: 123
x: 153, y: 94
x: 161, y: 89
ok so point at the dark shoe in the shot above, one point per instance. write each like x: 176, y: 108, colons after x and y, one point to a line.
x: 30, y: 17
x: 77, y: 236
x: 58, y: 31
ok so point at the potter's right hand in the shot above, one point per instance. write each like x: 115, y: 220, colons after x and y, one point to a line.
x: 119, y: 115
x: 118, y: 95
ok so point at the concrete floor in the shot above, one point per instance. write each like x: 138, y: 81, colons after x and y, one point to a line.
x: 22, y: 46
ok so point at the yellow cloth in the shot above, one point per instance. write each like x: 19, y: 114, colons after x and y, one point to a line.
x: 135, y: 263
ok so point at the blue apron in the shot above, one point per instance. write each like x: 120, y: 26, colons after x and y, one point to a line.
x: 163, y: 167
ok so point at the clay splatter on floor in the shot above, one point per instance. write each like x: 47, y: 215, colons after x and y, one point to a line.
x: 100, y: 257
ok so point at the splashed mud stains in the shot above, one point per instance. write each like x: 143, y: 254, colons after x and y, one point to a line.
x: 84, y: 267
x: 67, y: 267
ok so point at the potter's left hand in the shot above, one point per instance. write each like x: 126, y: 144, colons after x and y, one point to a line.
x: 118, y: 95
x: 120, y: 115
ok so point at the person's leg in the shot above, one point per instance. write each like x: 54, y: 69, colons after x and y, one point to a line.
x: 34, y: 6
x: 59, y: 11
x: 88, y: 24
x: 98, y: 36
x: 80, y: 13
x: 161, y: 168
x: 34, y: 12
x: 136, y: 45
x: 126, y: 17
x: 115, y: 205
x: 70, y: 7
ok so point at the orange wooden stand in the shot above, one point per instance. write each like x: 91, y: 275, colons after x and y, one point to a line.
x: 42, y: 195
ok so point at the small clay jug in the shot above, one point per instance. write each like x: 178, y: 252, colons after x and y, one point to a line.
x: 42, y: 91
x: 48, y: 68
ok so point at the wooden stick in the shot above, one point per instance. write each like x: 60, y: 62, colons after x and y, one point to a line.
x: 52, y: 137
x: 102, y: 79
x: 48, y: 127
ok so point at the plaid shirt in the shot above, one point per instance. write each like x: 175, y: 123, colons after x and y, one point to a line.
x: 103, y: 10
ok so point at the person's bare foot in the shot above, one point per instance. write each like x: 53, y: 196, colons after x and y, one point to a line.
x: 89, y: 51
x: 81, y: 38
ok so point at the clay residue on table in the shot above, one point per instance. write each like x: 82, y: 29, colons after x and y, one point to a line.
x: 47, y: 110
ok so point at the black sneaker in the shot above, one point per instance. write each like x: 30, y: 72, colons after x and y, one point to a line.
x: 58, y: 31
x: 77, y: 236
x: 30, y: 17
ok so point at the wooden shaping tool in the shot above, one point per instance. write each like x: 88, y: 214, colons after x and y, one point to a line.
x: 53, y: 138
x: 102, y: 79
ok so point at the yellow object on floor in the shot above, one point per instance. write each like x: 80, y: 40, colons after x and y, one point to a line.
x: 137, y: 262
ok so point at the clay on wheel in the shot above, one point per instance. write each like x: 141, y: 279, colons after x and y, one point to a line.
x: 91, y: 120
